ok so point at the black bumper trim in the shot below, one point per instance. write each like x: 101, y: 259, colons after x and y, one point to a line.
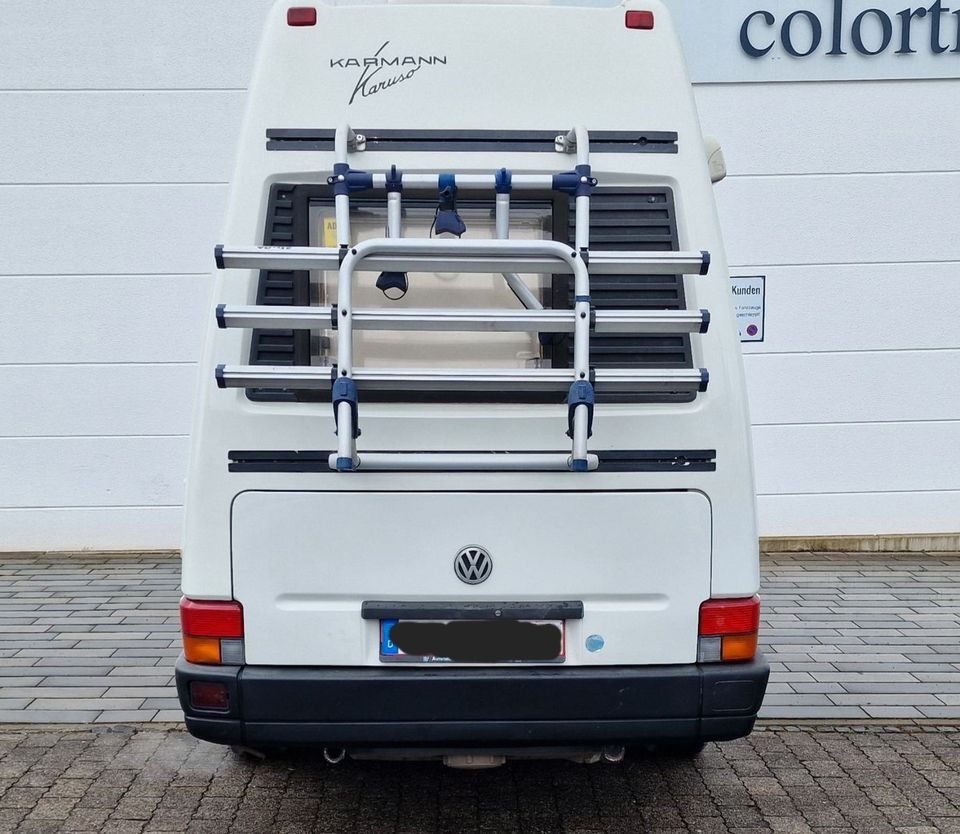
x: 376, y: 706
x: 516, y: 733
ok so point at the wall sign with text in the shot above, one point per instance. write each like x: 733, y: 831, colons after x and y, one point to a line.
x: 749, y: 296
x: 819, y: 40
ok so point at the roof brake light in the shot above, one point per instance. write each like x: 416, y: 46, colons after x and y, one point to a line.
x: 639, y: 20
x: 303, y: 16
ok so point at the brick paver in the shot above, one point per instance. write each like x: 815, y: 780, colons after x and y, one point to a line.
x: 86, y: 638
x: 788, y: 780
x: 862, y: 635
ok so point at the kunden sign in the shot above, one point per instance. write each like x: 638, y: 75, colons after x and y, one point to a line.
x: 819, y: 40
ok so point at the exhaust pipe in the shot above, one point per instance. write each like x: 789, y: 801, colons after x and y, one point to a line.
x: 474, y: 761
x: 334, y: 755
x: 614, y: 753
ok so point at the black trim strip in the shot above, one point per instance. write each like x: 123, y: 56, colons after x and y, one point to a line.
x: 697, y: 460
x: 539, y: 610
x: 701, y: 460
x: 534, y: 141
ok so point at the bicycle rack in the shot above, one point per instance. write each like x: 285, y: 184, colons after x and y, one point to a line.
x: 395, y: 256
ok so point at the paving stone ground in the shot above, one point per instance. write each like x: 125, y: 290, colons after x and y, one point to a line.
x: 87, y: 638
x: 852, y: 636
x: 782, y: 779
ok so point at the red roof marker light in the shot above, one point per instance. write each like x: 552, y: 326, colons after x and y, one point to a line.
x: 302, y: 16
x: 639, y: 20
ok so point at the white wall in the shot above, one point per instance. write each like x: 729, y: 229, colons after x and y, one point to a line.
x: 117, y: 127
x: 846, y: 195
x: 117, y: 131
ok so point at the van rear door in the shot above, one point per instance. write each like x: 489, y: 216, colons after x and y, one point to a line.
x: 305, y: 562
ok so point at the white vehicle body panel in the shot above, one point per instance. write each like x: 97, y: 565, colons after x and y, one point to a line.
x: 616, y: 540
x: 641, y: 585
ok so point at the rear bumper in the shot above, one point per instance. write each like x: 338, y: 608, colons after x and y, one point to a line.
x: 371, y: 706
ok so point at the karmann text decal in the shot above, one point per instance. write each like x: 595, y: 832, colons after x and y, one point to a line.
x: 379, y: 72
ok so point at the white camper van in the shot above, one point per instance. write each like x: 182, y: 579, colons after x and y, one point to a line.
x: 471, y: 470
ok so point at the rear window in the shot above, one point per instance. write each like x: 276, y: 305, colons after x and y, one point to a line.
x: 414, y: 349
x: 635, y: 218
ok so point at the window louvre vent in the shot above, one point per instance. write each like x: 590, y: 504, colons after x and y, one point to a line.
x: 280, y: 347
x: 639, y: 219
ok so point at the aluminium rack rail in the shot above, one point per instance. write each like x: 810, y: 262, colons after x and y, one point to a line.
x: 393, y: 256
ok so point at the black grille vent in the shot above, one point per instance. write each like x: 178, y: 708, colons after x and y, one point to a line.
x: 637, y: 219
x: 281, y: 347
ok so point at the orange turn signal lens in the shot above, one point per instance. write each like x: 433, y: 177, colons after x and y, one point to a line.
x: 738, y: 647
x: 201, y: 649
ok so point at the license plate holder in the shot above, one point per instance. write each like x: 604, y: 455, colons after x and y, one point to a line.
x: 472, y: 641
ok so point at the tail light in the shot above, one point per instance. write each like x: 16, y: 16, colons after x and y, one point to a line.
x: 212, y: 631
x: 728, y: 630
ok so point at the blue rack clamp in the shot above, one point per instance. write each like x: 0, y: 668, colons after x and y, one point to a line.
x: 393, y: 179
x: 346, y: 181
x: 581, y: 393
x: 578, y: 183
x: 447, y: 221
x: 503, y: 181
x: 345, y: 391
x: 705, y: 262
x: 221, y: 320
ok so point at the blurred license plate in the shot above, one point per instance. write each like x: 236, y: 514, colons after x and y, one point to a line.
x: 472, y: 641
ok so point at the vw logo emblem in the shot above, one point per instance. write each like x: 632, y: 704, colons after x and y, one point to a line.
x: 473, y: 565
